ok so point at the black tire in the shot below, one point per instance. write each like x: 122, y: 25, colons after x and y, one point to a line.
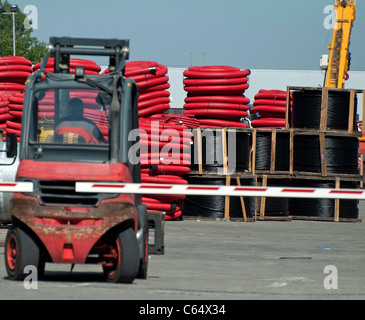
x: 41, y: 268
x: 126, y: 265
x: 21, y: 250
x: 143, y: 265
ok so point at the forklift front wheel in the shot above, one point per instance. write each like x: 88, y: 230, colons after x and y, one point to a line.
x: 20, y: 251
x: 126, y: 258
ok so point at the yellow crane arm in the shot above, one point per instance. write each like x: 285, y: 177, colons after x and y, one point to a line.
x: 339, y: 58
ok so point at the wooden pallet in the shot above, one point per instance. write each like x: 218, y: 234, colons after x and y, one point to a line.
x: 227, y: 200
x: 262, y: 217
x: 336, y: 216
x: 223, y: 132
x: 300, y: 174
x: 325, y: 219
x: 273, y: 173
x: 322, y: 153
x: 324, y: 108
x: 274, y: 134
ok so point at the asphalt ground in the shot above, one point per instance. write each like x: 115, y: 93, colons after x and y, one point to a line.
x: 224, y: 260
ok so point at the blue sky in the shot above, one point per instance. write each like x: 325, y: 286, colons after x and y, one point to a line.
x: 265, y: 34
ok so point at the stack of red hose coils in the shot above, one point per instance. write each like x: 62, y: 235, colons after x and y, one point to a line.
x: 165, y: 158
x: 14, y: 71
x: 15, y: 108
x: 152, y: 79
x: 164, y: 144
x: 162, y: 156
x: 216, y: 95
x: 270, y: 105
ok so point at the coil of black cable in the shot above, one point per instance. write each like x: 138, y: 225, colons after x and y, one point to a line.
x: 263, y: 151
x: 341, y: 154
x: 213, y: 206
x: 322, y: 207
x: 243, y: 143
x: 212, y: 150
x: 274, y: 207
x: 306, y: 109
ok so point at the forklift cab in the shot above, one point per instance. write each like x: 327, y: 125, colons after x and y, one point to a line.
x: 76, y: 119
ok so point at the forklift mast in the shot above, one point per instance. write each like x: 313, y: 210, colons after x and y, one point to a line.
x: 63, y: 47
x: 116, y: 96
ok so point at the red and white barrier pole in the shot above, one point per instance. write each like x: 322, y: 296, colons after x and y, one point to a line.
x: 234, y: 191
x: 201, y: 190
x: 16, y: 187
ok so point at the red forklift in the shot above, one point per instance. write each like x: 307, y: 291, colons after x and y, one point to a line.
x: 75, y: 127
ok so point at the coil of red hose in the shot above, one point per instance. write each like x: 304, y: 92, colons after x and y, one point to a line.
x: 152, y: 79
x: 216, y: 93
x: 270, y: 107
x: 14, y: 71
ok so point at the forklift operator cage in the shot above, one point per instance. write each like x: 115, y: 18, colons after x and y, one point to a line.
x: 85, y: 119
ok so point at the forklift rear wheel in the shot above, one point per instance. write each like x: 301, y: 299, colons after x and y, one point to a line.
x: 126, y: 263
x: 20, y: 251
